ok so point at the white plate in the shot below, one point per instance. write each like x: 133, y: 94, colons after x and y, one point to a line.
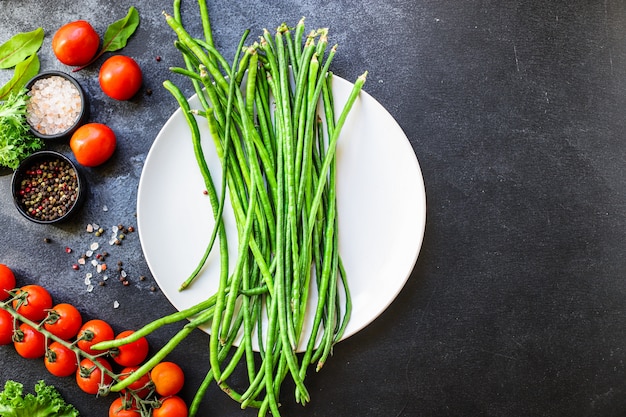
x: 381, y: 209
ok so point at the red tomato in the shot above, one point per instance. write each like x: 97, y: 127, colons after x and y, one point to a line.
x: 64, y: 321
x: 168, y: 378
x: 93, y: 144
x: 60, y: 361
x: 75, y: 43
x: 140, y: 387
x: 7, y: 281
x: 92, y: 332
x: 130, y: 354
x: 123, y: 408
x: 89, y: 377
x: 6, y: 327
x: 30, y: 343
x: 120, y: 77
x: 172, y: 406
x: 34, y: 306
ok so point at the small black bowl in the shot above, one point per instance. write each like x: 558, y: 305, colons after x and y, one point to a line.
x: 49, y: 103
x: 47, y: 187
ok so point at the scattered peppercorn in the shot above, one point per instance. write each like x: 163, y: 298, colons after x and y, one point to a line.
x: 46, y: 240
x: 158, y: 58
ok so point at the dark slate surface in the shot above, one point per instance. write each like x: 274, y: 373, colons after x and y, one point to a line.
x: 516, y: 111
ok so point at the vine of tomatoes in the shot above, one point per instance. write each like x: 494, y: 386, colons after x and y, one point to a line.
x: 38, y: 329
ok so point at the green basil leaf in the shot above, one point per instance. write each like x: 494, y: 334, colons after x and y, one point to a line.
x: 20, y: 47
x: 24, y: 71
x: 117, y: 33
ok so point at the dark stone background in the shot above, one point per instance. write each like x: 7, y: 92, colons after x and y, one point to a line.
x: 515, y: 110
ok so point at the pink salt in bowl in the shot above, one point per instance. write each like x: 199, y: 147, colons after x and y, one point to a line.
x: 57, y: 105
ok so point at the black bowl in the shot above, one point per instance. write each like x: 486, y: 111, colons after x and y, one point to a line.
x: 45, y: 130
x: 47, y: 187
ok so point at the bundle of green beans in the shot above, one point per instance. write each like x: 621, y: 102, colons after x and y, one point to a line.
x: 271, y: 116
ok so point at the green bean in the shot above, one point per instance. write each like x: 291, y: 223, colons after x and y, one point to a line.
x: 278, y: 166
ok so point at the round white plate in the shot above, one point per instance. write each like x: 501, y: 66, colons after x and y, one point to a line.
x: 380, y: 198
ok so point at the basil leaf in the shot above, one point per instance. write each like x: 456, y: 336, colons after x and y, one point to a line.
x: 117, y: 33
x: 24, y: 71
x: 20, y: 47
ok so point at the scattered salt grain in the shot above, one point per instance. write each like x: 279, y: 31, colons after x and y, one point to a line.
x: 116, y: 304
x: 94, y: 246
x: 54, y: 106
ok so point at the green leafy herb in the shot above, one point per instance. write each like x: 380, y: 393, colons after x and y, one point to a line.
x: 20, y: 47
x: 24, y: 71
x: 16, y: 141
x: 46, y: 403
x: 117, y: 35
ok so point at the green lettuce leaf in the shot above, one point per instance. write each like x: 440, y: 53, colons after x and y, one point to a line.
x: 47, y: 402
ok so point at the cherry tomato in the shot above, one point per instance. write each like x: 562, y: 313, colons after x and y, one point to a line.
x: 7, y: 281
x: 60, y: 361
x: 123, y: 408
x: 93, y: 144
x: 30, y: 343
x: 140, y: 387
x: 89, y: 376
x: 130, y: 354
x: 6, y: 327
x: 37, y: 301
x: 75, y: 43
x: 168, y: 378
x: 92, y: 332
x: 120, y: 77
x: 172, y: 406
x: 64, y: 321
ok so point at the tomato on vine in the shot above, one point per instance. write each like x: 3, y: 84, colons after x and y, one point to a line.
x: 6, y: 327
x: 132, y: 353
x: 60, y: 360
x: 172, y: 406
x: 120, y: 77
x: 90, y: 377
x: 7, y: 281
x: 168, y: 378
x: 32, y: 302
x: 64, y: 321
x: 121, y: 407
x: 29, y: 343
x: 75, y: 43
x: 92, y: 332
x: 141, y: 387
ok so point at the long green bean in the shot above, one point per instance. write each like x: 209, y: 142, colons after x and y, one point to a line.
x: 278, y: 166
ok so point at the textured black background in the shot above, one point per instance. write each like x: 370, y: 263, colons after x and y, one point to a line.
x: 515, y: 110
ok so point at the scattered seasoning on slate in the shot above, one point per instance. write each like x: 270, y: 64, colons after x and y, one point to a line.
x: 48, y: 190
